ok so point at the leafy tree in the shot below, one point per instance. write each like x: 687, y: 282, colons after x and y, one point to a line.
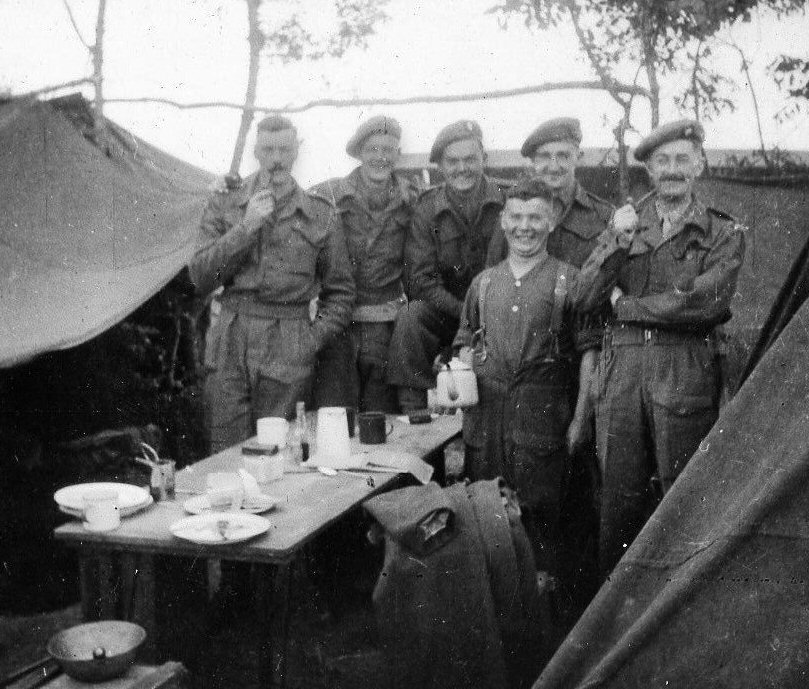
x: 657, y: 37
x: 285, y: 35
x: 791, y: 74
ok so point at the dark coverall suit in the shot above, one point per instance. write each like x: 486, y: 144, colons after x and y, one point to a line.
x: 442, y: 254
x: 263, y: 350
x: 573, y: 240
x: 526, y: 373
x: 352, y: 370
x: 658, y: 373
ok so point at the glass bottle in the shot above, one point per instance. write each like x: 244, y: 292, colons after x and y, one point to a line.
x: 299, y: 437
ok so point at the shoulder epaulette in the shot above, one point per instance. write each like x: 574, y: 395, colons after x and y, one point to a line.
x: 728, y: 218
x: 321, y: 195
x: 504, y: 184
x: 597, y: 198
x: 424, y: 193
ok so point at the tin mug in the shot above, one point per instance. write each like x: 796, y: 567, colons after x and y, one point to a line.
x: 374, y: 429
x: 162, y: 483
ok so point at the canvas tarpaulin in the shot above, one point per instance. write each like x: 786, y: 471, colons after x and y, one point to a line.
x: 85, y: 238
x: 714, y: 592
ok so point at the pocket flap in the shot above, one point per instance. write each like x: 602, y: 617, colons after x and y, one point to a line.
x: 285, y: 372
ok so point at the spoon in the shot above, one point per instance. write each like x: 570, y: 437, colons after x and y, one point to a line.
x: 327, y: 471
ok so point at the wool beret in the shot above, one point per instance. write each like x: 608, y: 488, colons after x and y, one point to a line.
x: 690, y: 130
x: 457, y: 131
x: 528, y: 188
x: 375, y: 125
x: 557, y: 129
x: 275, y: 123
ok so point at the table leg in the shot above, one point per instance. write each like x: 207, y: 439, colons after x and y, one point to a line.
x: 99, y: 587
x: 144, y: 604
x: 273, y: 602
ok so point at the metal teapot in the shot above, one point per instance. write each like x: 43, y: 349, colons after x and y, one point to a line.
x: 456, y: 385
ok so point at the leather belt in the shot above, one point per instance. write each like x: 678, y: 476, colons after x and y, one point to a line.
x: 631, y: 335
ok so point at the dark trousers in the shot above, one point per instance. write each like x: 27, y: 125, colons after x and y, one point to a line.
x: 421, y: 332
x: 656, y: 403
x: 352, y: 370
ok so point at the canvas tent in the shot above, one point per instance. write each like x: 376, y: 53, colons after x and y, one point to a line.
x: 85, y: 238
x: 714, y: 592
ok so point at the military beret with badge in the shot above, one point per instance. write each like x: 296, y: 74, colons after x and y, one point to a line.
x: 457, y: 131
x: 689, y: 130
x: 556, y: 129
x: 379, y: 124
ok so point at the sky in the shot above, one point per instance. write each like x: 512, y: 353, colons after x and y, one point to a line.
x: 196, y: 50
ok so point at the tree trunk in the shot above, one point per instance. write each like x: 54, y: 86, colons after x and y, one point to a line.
x: 256, y: 40
x: 650, y: 64
x: 623, y: 155
x: 99, y: 127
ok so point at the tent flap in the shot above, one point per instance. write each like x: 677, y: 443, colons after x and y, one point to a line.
x: 85, y: 238
x: 714, y: 592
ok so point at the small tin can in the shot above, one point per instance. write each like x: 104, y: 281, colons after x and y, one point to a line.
x: 162, y: 483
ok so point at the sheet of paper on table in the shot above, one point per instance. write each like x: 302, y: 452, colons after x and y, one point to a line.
x: 378, y: 460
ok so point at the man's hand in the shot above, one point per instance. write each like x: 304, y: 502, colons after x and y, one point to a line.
x: 259, y: 209
x: 615, y: 295
x: 467, y: 355
x: 578, y: 433
x: 625, y: 221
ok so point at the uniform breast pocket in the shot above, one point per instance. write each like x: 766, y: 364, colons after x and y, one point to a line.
x: 301, y: 251
x: 450, y: 248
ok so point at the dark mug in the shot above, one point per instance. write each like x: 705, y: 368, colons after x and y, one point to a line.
x: 373, y: 428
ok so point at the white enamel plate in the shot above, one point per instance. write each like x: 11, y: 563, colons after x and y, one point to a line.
x: 220, y: 528
x: 130, y: 498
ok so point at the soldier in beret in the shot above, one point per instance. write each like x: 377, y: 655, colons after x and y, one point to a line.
x: 446, y: 247
x: 274, y: 249
x: 659, y: 376
x: 375, y: 206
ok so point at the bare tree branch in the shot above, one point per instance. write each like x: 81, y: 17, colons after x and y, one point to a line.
x: 76, y: 26
x: 350, y: 103
x: 746, y: 69
x: 607, y: 82
x: 98, y: 78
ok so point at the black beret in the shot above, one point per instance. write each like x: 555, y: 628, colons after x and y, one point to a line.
x: 528, y: 188
x: 690, y: 130
x: 376, y: 125
x: 457, y: 131
x: 275, y: 123
x: 557, y: 129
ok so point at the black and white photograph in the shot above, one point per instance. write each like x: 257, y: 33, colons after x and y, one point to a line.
x: 390, y: 344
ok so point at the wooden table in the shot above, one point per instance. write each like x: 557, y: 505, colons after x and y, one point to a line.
x: 308, y: 504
